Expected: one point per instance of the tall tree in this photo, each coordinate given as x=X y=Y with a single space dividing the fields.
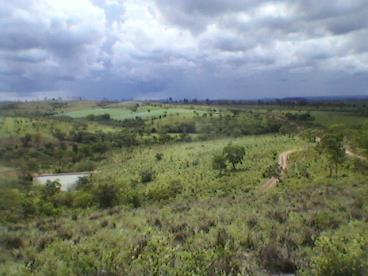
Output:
x=334 y=148
x=234 y=154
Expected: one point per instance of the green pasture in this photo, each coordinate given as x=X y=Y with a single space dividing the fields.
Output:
x=349 y=120
x=121 y=113
x=20 y=126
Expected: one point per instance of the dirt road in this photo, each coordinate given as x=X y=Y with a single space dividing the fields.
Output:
x=348 y=152
x=283 y=162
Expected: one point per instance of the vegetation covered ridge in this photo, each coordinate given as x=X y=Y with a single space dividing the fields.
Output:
x=184 y=192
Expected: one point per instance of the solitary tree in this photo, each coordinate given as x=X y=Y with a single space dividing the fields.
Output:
x=234 y=154
x=332 y=145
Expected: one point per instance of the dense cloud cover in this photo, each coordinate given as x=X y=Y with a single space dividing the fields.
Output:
x=183 y=48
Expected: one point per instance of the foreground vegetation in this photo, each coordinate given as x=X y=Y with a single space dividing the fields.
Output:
x=180 y=194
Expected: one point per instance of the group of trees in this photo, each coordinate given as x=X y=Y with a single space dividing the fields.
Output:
x=332 y=144
x=299 y=116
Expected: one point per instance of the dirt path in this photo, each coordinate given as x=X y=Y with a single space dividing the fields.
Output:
x=352 y=154
x=283 y=162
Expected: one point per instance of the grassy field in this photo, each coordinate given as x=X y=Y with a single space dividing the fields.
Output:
x=327 y=119
x=156 y=206
x=189 y=164
x=234 y=231
x=20 y=126
x=121 y=113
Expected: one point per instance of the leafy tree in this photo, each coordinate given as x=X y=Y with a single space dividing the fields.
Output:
x=219 y=163
x=332 y=145
x=234 y=154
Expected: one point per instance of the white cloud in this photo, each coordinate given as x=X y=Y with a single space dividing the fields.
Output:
x=153 y=45
x=53 y=39
x=145 y=46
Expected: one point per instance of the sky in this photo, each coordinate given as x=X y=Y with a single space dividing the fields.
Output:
x=155 y=49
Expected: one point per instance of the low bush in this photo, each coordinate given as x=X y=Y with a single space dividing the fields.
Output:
x=147 y=175
x=107 y=195
x=343 y=252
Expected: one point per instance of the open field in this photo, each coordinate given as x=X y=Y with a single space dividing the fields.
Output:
x=235 y=230
x=189 y=166
x=347 y=119
x=20 y=126
x=121 y=113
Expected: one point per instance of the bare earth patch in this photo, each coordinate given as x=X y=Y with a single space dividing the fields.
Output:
x=283 y=162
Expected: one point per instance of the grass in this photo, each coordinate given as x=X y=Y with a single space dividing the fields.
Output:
x=190 y=164
x=189 y=220
x=121 y=113
x=20 y=126
x=327 y=119
x=241 y=232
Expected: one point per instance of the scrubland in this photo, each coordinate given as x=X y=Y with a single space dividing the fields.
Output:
x=157 y=205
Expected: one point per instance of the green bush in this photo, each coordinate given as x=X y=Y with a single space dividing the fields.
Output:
x=50 y=189
x=344 y=252
x=83 y=199
x=219 y=163
x=159 y=156
x=107 y=195
x=147 y=175
x=164 y=191
x=273 y=170
x=48 y=209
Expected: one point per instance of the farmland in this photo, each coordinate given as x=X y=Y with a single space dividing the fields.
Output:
x=175 y=189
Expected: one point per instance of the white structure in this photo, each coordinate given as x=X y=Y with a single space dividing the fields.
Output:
x=67 y=180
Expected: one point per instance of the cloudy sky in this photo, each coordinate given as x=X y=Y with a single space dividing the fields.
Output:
x=150 y=49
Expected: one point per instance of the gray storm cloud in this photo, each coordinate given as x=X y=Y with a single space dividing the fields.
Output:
x=184 y=48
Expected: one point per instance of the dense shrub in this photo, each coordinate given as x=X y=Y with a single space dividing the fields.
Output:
x=159 y=156
x=147 y=175
x=344 y=252
x=107 y=195
x=274 y=261
x=219 y=163
x=50 y=189
x=12 y=242
x=164 y=190
x=273 y=170
x=83 y=199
